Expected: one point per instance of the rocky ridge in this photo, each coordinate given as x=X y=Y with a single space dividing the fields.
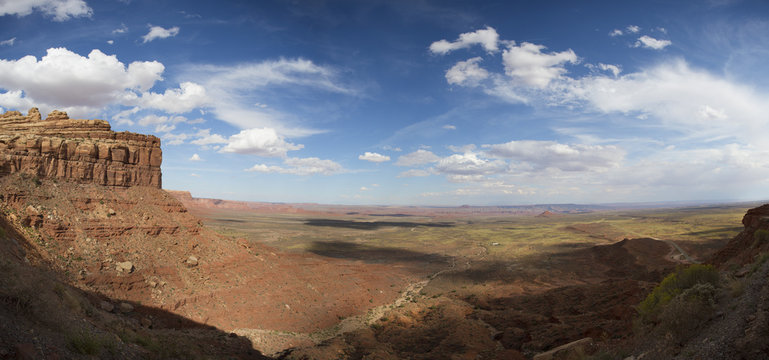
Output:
x=84 y=151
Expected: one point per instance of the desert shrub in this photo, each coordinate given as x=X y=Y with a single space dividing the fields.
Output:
x=84 y=342
x=736 y=287
x=688 y=311
x=674 y=285
x=760 y=237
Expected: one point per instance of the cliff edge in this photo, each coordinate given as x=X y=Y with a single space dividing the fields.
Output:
x=84 y=151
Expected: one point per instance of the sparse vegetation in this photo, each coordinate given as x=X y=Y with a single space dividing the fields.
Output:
x=682 y=302
x=673 y=286
x=760 y=237
x=85 y=342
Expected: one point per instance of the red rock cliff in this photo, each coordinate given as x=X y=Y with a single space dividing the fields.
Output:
x=85 y=151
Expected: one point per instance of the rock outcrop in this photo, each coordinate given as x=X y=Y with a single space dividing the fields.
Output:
x=84 y=151
x=753 y=240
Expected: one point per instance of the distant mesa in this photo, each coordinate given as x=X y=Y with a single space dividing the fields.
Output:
x=548 y=213
x=85 y=151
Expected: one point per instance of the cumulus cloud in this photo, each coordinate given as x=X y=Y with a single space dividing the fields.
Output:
x=487 y=38
x=374 y=157
x=158 y=32
x=59 y=10
x=419 y=157
x=614 y=69
x=195 y=157
x=550 y=154
x=174 y=139
x=469 y=165
x=633 y=29
x=8 y=42
x=528 y=65
x=301 y=166
x=615 y=32
x=260 y=142
x=204 y=138
x=188 y=96
x=652 y=43
x=466 y=73
x=65 y=79
x=685 y=132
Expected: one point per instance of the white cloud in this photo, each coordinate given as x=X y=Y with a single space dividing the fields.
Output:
x=527 y=64
x=59 y=10
x=233 y=90
x=633 y=29
x=301 y=166
x=488 y=38
x=174 y=139
x=469 y=164
x=195 y=157
x=614 y=69
x=391 y=148
x=110 y=42
x=121 y=30
x=363 y=188
x=419 y=157
x=260 y=142
x=164 y=128
x=374 y=157
x=414 y=173
x=72 y=82
x=467 y=73
x=8 y=42
x=153 y=119
x=652 y=43
x=449 y=127
x=550 y=154
x=158 y=32
x=689 y=101
x=615 y=32
x=204 y=138
x=187 y=97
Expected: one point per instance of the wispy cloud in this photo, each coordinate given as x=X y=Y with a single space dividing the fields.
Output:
x=158 y=32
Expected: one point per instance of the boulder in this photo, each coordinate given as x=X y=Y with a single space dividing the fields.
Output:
x=125 y=266
x=106 y=306
x=191 y=261
x=125 y=307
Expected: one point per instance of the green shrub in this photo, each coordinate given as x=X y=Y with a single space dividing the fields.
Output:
x=688 y=311
x=674 y=285
x=85 y=342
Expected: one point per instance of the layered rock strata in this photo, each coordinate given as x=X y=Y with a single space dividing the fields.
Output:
x=84 y=151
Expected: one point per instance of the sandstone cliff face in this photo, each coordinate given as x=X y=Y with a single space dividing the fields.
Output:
x=84 y=151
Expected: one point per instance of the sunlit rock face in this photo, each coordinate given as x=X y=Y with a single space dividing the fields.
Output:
x=85 y=151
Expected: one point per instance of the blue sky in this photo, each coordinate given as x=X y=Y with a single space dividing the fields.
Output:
x=414 y=102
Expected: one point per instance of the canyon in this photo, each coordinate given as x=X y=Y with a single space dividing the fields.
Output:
x=92 y=245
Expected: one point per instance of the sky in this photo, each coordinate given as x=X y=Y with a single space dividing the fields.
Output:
x=418 y=102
